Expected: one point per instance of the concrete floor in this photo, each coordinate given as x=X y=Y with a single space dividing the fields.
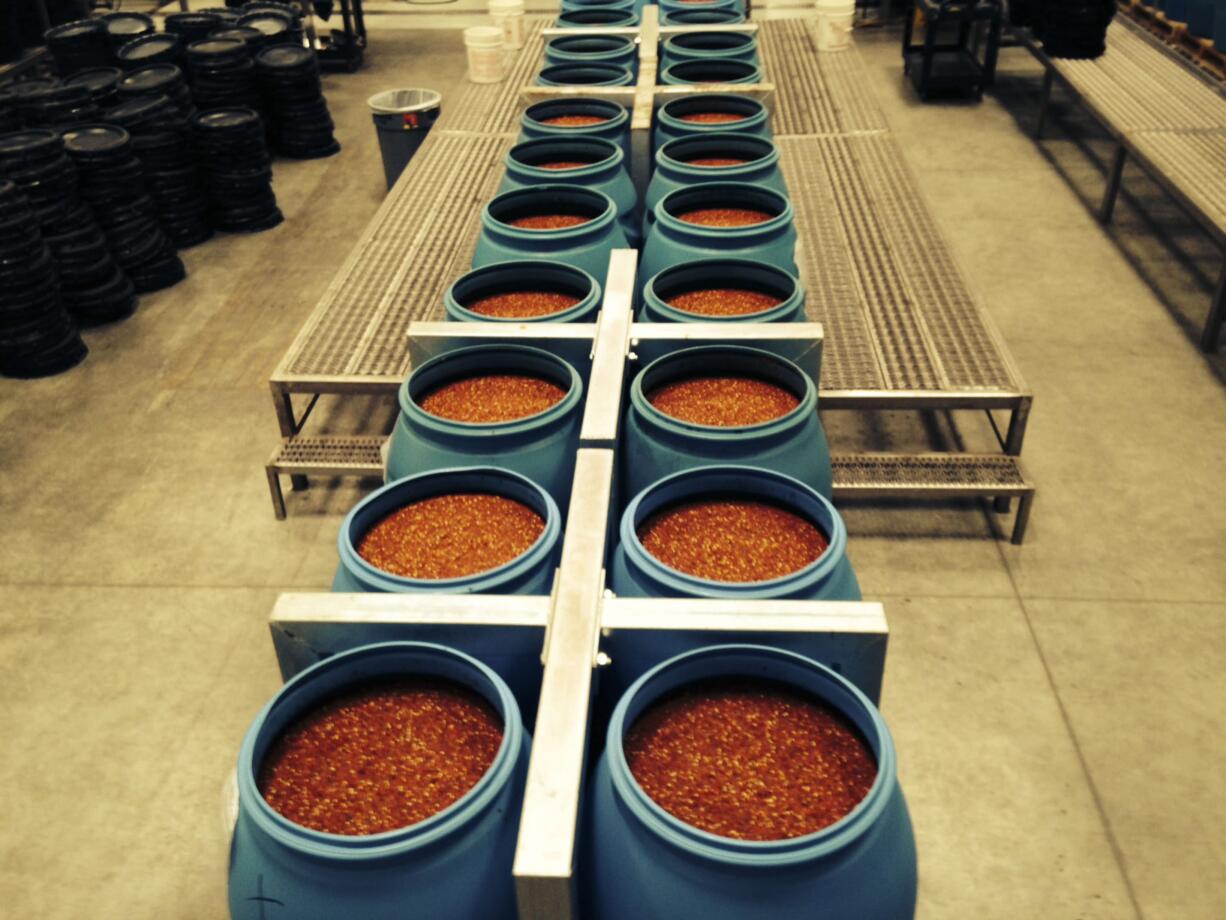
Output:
x=1056 y=706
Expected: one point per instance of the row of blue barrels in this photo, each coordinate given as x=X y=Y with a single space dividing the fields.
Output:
x=612 y=60
x=622 y=13
x=1204 y=18
x=637 y=859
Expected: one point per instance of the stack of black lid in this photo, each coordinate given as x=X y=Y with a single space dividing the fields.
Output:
x=113 y=182
x=159 y=48
x=93 y=287
x=191 y=27
x=121 y=28
x=159 y=80
x=102 y=83
x=291 y=11
x=300 y=121
x=24 y=94
x=59 y=107
x=162 y=140
x=235 y=160
x=79 y=45
x=37 y=336
x=223 y=74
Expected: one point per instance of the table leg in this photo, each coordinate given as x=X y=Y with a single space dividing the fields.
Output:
x=1113 y=184
x=1217 y=314
x=1048 y=79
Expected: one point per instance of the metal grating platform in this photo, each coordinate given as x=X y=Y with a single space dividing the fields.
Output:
x=881 y=277
x=1135 y=88
x=935 y=476
x=322 y=456
x=815 y=94
x=494 y=108
x=419 y=241
x=1196 y=162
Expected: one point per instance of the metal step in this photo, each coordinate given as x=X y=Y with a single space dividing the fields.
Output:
x=322 y=456
x=935 y=476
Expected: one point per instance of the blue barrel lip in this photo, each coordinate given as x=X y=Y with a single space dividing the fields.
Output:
x=597 y=4
x=738 y=43
x=754 y=111
x=616 y=116
x=745 y=191
x=293 y=699
x=705 y=14
x=596 y=73
x=736 y=359
x=507 y=200
x=766 y=855
x=655 y=302
x=613 y=156
x=536 y=360
x=732 y=479
x=513 y=485
x=561 y=46
x=588 y=303
x=673 y=75
x=718 y=140
x=685 y=5
x=596 y=17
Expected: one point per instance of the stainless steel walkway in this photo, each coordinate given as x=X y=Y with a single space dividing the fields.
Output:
x=1165 y=116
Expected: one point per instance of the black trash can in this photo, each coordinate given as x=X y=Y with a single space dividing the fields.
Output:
x=402 y=117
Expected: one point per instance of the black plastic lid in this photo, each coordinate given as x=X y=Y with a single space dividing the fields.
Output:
x=221 y=119
x=217 y=47
x=285 y=56
x=270 y=23
x=73 y=31
x=192 y=20
x=26 y=88
x=34 y=140
x=95 y=139
x=147 y=46
x=244 y=34
x=135 y=110
x=151 y=77
x=95 y=78
x=121 y=24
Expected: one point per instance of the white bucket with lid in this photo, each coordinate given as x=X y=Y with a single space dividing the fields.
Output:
x=508 y=15
x=835 y=19
x=484 y=44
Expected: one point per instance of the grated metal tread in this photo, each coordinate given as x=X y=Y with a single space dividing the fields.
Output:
x=815 y=93
x=880 y=275
x=494 y=108
x=1137 y=87
x=1195 y=161
x=362 y=454
x=928 y=473
x=421 y=238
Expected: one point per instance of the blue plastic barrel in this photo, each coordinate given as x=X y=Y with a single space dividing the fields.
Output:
x=642 y=862
x=615 y=125
x=530 y=573
x=686 y=73
x=679 y=6
x=674 y=169
x=636 y=573
x=1219 y=26
x=586 y=246
x=541 y=447
x=1200 y=17
x=518 y=276
x=455 y=865
x=709 y=46
x=671 y=120
x=671 y=240
x=593 y=49
x=723 y=273
x=597 y=18
x=584 y=75
x=656 y=445
x=701 y=17
x=605 y=171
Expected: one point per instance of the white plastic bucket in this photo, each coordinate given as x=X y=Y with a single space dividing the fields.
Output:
x=484 y=44
x=834 y=23
x=508 y=15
